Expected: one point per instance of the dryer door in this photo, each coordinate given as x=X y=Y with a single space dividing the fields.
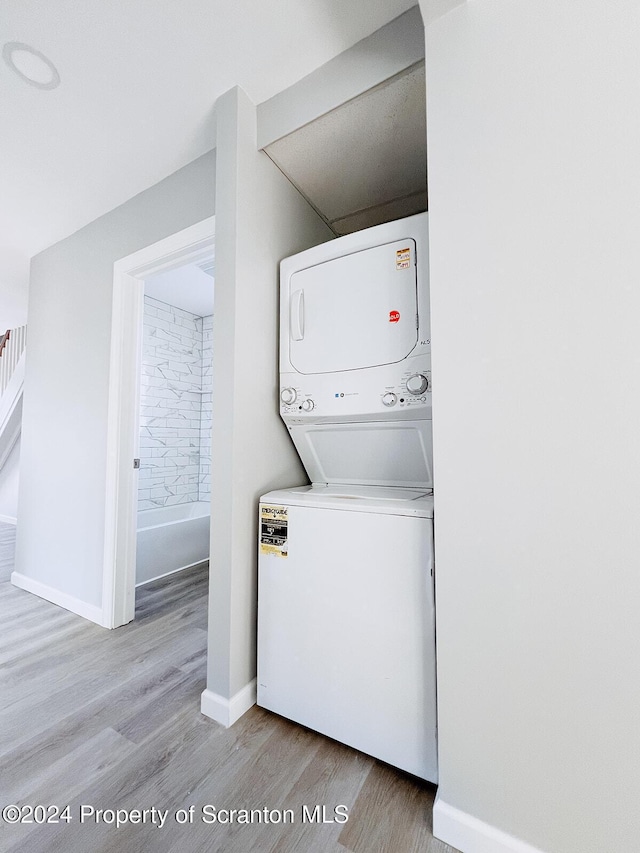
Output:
x=357 y=311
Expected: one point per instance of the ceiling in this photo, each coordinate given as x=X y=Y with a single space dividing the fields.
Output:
x=135 y=103
x=189 y=287
x=364 y=162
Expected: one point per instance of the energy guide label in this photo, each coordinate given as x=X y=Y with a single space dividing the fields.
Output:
x=273 y=530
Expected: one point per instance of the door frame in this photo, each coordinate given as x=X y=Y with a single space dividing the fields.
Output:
x=123 y=420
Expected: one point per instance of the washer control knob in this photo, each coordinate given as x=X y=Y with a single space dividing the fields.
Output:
x=288 y=396
x=308 y=406
x=417 y=384
x=389 y=399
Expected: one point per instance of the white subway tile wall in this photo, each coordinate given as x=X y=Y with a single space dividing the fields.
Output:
x=205 y=412
x=175 y=416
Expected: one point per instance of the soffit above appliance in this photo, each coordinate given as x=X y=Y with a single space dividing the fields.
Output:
x=364 y=162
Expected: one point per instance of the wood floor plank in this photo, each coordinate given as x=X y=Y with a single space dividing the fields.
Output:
x=184 y=692
x=198 y=661
x=115 y=708
x=159 y=772
x=123 y=786
x=72 y=771
x=66 y=778
x=258 y=783
x=22 y=624
x=26 y=655
x=334 y=778
x=98 y=656
x=90 y=680
x=392 y=813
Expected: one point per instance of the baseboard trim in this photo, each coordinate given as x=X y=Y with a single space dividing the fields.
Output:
x=470 y=835
x=8 y=519
x=172 y=572
x=227 y=711
x=62 y=599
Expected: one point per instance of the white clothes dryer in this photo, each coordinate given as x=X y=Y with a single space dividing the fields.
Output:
x=355 y=356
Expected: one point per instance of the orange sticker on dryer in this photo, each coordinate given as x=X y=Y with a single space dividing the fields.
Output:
x=403 y=258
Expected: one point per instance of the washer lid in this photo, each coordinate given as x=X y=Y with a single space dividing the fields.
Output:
x=356 y=311
x=397 y=454
x=380 y=499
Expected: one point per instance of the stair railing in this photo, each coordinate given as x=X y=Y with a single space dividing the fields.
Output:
x=12 y=345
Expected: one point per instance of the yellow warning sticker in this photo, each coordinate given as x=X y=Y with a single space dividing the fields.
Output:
x=403 y=258
x=274 y=530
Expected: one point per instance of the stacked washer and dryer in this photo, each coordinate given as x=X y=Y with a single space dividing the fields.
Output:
x=346 y=618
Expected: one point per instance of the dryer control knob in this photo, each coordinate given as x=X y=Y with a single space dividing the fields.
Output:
x=308 y=406
x=288 y=396
x=417 y=383
x=389 y=399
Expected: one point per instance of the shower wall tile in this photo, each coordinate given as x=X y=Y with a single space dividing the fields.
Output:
x=176 y=406
x=170 y=406
x=204 y=487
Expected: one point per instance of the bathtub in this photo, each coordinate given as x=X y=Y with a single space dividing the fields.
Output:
x=171 y=538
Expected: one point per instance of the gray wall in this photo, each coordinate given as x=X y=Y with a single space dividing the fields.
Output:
x=261 y=219
x=533 y=138
x=63 y=463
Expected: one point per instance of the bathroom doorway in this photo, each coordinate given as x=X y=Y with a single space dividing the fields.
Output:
x=159 y=422
x=174 y=477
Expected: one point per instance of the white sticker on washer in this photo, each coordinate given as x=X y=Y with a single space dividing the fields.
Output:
x=274 y=525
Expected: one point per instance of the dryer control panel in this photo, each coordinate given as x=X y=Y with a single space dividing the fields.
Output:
x=388 y=392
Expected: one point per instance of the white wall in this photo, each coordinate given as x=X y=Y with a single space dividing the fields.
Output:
x=533 y=139
x=260 y=219
x=60 y=537
x=9 y=476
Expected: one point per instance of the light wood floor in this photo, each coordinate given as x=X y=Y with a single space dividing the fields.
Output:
x=111 y=719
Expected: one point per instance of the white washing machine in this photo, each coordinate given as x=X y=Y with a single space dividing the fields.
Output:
x=346 y=631
x=346 y=620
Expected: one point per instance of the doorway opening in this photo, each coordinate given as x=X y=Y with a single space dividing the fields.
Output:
x=174 y=475
x=159 y=421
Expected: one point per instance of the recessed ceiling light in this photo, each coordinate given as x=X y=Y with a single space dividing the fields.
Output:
x=31 y=65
